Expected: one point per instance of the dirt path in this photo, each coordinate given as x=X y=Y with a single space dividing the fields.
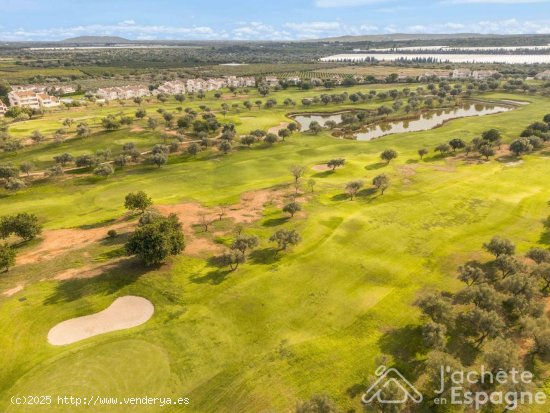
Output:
x=14 y=290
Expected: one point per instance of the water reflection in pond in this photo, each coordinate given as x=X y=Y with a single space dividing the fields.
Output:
x=426 y=121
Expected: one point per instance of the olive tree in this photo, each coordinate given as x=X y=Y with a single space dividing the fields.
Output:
x=284 y=238
x=291 y=208
x=353 y=187
x=388 y=155
x=7 y=257
x=335 y=163
x=381 y=182
x=137 y=201
x=156 y=241
x=499 y=246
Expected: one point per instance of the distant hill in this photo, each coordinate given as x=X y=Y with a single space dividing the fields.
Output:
x=96 y=40
x=405 y=37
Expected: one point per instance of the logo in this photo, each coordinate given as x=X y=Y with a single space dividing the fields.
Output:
x=391 y=388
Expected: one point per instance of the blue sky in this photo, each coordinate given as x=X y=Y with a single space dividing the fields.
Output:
x=271 y=20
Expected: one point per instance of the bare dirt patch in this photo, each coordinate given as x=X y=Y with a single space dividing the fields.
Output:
x=88 y=271
x=276 y=129
x=444 y=168
x=59 y=241
x=137 y=129
x=249 y=209
x=14 y=290
x=407 y=170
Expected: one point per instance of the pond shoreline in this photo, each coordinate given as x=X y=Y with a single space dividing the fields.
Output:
x=416 y=116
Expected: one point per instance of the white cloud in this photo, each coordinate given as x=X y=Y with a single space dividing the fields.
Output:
x=262 y=31
x=127 y=28
x=313 y=26
x=259 y=31
x=347 y=3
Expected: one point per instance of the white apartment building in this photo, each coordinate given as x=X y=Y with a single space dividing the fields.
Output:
x=483 y=74
x=272 y=81
x=461 y=74
x=3 y=108
x=24 y=98
x=47 y=101
x=123 y=92
x=172 y=88
x=293 y=80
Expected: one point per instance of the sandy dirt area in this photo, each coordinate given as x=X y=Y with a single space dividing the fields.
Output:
x=59 y=241
x=276 y=129
x=14 y=290
x=321 y=167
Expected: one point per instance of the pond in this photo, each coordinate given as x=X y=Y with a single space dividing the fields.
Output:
x=429 y=120
x=305 y=120
x=426 y=121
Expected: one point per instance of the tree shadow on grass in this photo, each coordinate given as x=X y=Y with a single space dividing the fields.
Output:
x=323 y=174
x=367 y=193
x=404 y=344
x=340 y=197
x=116 y=240
x=507 y=158
x=264 y=256
x=274 y=222
x=214 y=277
x=545 y=238
x=436 y=157
x=412 y=161
x=97 y=224
x=376 y=165
x=114 y=279
x=357 y=389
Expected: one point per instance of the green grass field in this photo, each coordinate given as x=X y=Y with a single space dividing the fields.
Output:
x=280 y=329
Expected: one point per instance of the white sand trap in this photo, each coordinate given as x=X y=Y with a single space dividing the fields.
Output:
x=125 y=312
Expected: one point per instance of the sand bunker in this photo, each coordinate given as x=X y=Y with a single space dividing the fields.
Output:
x=321 y=167
x=125 y=312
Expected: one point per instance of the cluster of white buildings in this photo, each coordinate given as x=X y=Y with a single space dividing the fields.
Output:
x=3 y=108
x=175 y=87
x=476 y=74
x=61 y=89
x=195 y=85
x=32 y=99
x=122 y=92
